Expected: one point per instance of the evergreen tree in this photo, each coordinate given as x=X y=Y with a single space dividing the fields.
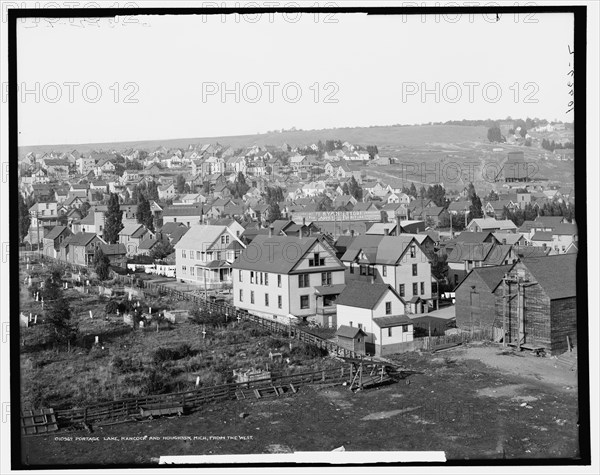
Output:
x=24 y=217
x=180 y=184
x=476 y=209
x=471 y=191
x=144 y=213
x=58 y=319
x=113 y=220
x=413 y=190
x=355 y=189
x=273 y=212
x=101 y=264
x=152 y=191
x=161 y=250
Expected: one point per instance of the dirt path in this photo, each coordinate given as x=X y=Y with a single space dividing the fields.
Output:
x=524 y=364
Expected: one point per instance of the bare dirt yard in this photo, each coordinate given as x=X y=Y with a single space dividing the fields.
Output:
x=472 y=402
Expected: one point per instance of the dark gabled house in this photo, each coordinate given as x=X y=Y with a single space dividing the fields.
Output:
x=54 y=239
x=116 y=253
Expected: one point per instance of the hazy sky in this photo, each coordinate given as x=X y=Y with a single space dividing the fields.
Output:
x=162 y=76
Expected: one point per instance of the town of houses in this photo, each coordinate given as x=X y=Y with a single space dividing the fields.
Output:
x=307 y=234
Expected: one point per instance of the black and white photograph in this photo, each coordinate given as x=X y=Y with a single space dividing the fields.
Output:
x=326 y=236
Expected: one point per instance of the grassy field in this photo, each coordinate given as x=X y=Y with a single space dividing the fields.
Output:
x=436 y=149
x=454 y=403
x=390 y=136
x=129 y=363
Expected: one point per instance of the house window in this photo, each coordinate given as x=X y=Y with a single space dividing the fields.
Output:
x=184 y=253
x=225 y=239
x=390 y=331
x=414 y=269
x=240 y=276
x=404 y=328
x=316 y=260
x=303 y=280
x=422 y=288
x=278 y=281
x=251 y=276
x=261 y=278
x=241 y=295
x=192 y=255
x=413 y=251
x=279 y=301
x=304 y=304
x=266 y=300
x=384 y=270
x=252 y=296
x=388 y=308
x=415 y=288
x=325 y=278
x=266 y=278
x=184 y=269
x=401 y=290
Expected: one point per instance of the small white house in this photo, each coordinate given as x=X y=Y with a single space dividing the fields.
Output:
x=379 y=311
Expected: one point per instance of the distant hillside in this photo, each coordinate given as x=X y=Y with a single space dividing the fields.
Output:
x=387 y=138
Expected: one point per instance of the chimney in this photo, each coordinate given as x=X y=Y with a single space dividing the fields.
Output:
x=300 y=233
x=386 y=231
x=352 y=232
x=270 y=231
x=303 y=221
x=372 y=279
x=503 y=240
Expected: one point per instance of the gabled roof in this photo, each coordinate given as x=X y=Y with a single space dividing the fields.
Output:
x=555 y=274
x=474 y=237
x=565 y=229
x=113 y=249
x=132 y=229
x=469 y=252
x=549 y=221
x=201 y=237
x=80 y=239
x=392 y=321
x=183 y=210
x=278 y=254
x=542 y=236
x=55 y=232
x=147 y=243
x=349 y=332
x=363 y=295
x=491 y=275
x=510 y=238
x=498 y=255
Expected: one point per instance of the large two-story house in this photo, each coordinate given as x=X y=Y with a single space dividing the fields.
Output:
x=279 y=276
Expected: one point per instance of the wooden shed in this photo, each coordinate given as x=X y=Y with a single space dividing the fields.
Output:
x=351 y=338
x=543 y=311
x=475 y=299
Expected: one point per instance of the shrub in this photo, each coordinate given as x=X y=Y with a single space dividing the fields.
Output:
x=162 y=355
x=308 y=351
x=111 y=307
x=200 y=316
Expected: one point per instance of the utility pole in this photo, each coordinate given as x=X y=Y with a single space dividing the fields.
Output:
x=519 y=314
x=504 y=296
x=37 y=222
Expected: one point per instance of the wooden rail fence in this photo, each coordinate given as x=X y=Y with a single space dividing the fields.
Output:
x=190 y=400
